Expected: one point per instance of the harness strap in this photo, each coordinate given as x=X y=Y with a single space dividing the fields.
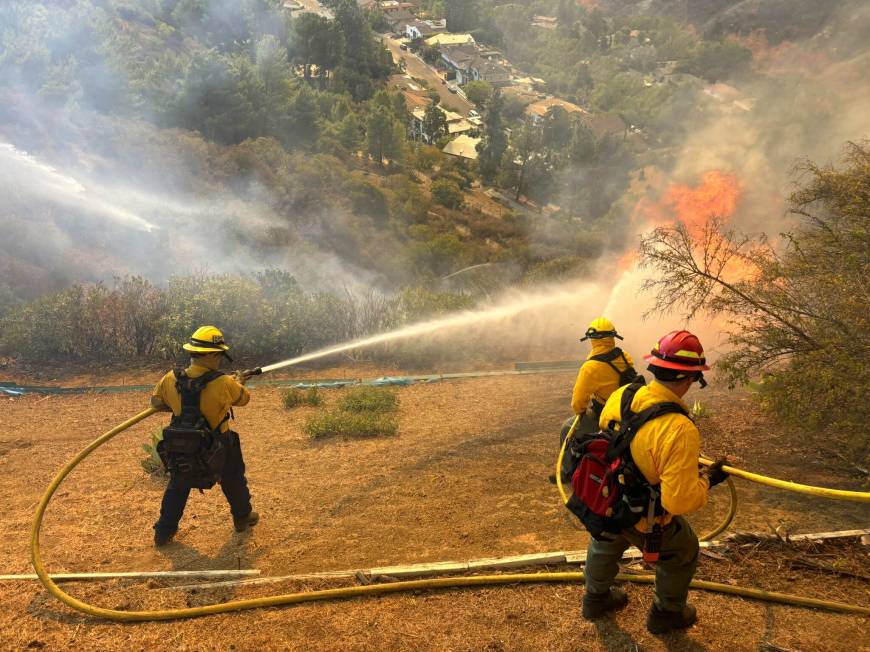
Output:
x=190 y=389
x=610 y=356
x=631 y=422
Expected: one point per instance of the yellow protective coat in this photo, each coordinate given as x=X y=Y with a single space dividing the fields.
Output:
x=597 y=379
x=665 y=450
x=215 y=401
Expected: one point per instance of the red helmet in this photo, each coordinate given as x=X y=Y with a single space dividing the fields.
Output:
x=678 y=350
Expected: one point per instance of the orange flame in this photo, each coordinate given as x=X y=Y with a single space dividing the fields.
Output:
x=716 y=196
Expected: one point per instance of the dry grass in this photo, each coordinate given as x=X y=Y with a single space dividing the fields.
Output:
x=465 y=477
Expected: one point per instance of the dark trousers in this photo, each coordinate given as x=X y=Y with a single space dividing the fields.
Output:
x=233 y=484
x=674 y=571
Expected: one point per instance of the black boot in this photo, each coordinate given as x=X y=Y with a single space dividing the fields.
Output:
x=161 y=540
x=242 y=524
x=596 y=605
x=660 y=621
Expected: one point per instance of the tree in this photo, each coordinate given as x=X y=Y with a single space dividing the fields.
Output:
x=717 y=61
x=797 y=311
x=447 y=193
x=434 y=124
x=596 y=23
x=303 y=116
x=430 y=54
x=493 y=144
x=212 y=100
x=318 y=42
x=526 y=146
x=461 y=15
x=383 y=134
x=478 y=92
x=350 y=132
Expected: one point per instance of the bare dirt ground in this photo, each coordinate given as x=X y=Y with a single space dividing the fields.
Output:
x=466 y=477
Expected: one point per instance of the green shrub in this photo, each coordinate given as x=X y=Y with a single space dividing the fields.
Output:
x=152 y=463
x=294 y=397
x=339 y=423
x=376 y=400
x=447 y=193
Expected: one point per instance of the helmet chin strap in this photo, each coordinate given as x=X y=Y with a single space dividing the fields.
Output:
x=701 y=381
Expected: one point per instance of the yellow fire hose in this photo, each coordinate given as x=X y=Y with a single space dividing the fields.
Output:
x=414 y=585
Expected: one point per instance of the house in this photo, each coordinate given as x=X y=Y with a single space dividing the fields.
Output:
x=458 y=59
x=391 y=7
x=467 y=63
x=463 y=147
x=445 y=39
x=417 y=29
x=539 y=110
x=456 y=124
x=490 y=71
x=398 y=20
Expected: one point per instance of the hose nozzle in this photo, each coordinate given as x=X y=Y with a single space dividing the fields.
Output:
x=247 y=373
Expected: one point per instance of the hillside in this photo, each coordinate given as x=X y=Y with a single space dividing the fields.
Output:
x=154 y=138
x=781 y=20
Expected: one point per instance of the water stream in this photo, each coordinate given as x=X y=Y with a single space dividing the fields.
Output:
x=504 y=309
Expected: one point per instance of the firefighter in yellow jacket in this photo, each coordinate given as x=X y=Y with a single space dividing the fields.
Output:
x=218 y=394
x=666 y=451
x=606 y=368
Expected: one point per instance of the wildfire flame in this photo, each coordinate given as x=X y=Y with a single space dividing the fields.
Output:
x=716 y=196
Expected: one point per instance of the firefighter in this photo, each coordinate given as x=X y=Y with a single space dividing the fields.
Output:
x=216 y=399
x=606 y=368
x=666 y=451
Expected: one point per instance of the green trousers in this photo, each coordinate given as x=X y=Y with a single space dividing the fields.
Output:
x=674 y=571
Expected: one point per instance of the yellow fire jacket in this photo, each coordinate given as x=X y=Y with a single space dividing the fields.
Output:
x=597 y=379
x=665 y=450
x=215 y=401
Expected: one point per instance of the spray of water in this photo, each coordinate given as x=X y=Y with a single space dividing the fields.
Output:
x=27 y=176
x=543 y=298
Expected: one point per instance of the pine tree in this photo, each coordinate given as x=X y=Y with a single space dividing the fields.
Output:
x=494 y=142
x=434 y=124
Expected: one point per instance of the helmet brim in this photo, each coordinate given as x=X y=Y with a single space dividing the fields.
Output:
x=667 y=364
x=193 y=348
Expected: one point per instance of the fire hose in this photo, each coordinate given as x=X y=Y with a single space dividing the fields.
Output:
x=416 y=585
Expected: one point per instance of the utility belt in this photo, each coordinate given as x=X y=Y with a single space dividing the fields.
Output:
x=195 y=457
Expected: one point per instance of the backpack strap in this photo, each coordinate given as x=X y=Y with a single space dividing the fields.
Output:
x=190 y=389
x=610 y=356
x=631 y=422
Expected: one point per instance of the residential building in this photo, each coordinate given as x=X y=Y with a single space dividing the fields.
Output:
x=441 y=40
x=463 y=146
x=456 y=124
x=417 y=29
x=391 y=7
x=539 y=110
x=467 y=64
x=399 y=19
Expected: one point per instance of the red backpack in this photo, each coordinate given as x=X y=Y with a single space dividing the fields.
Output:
x=610 y=492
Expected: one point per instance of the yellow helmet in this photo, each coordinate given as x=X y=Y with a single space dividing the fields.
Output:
x=599 y=328
x=206 y=339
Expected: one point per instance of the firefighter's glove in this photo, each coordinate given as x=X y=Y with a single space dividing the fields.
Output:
x=714 y=473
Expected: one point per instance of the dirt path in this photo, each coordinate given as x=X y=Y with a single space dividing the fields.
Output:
x=465 y=478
